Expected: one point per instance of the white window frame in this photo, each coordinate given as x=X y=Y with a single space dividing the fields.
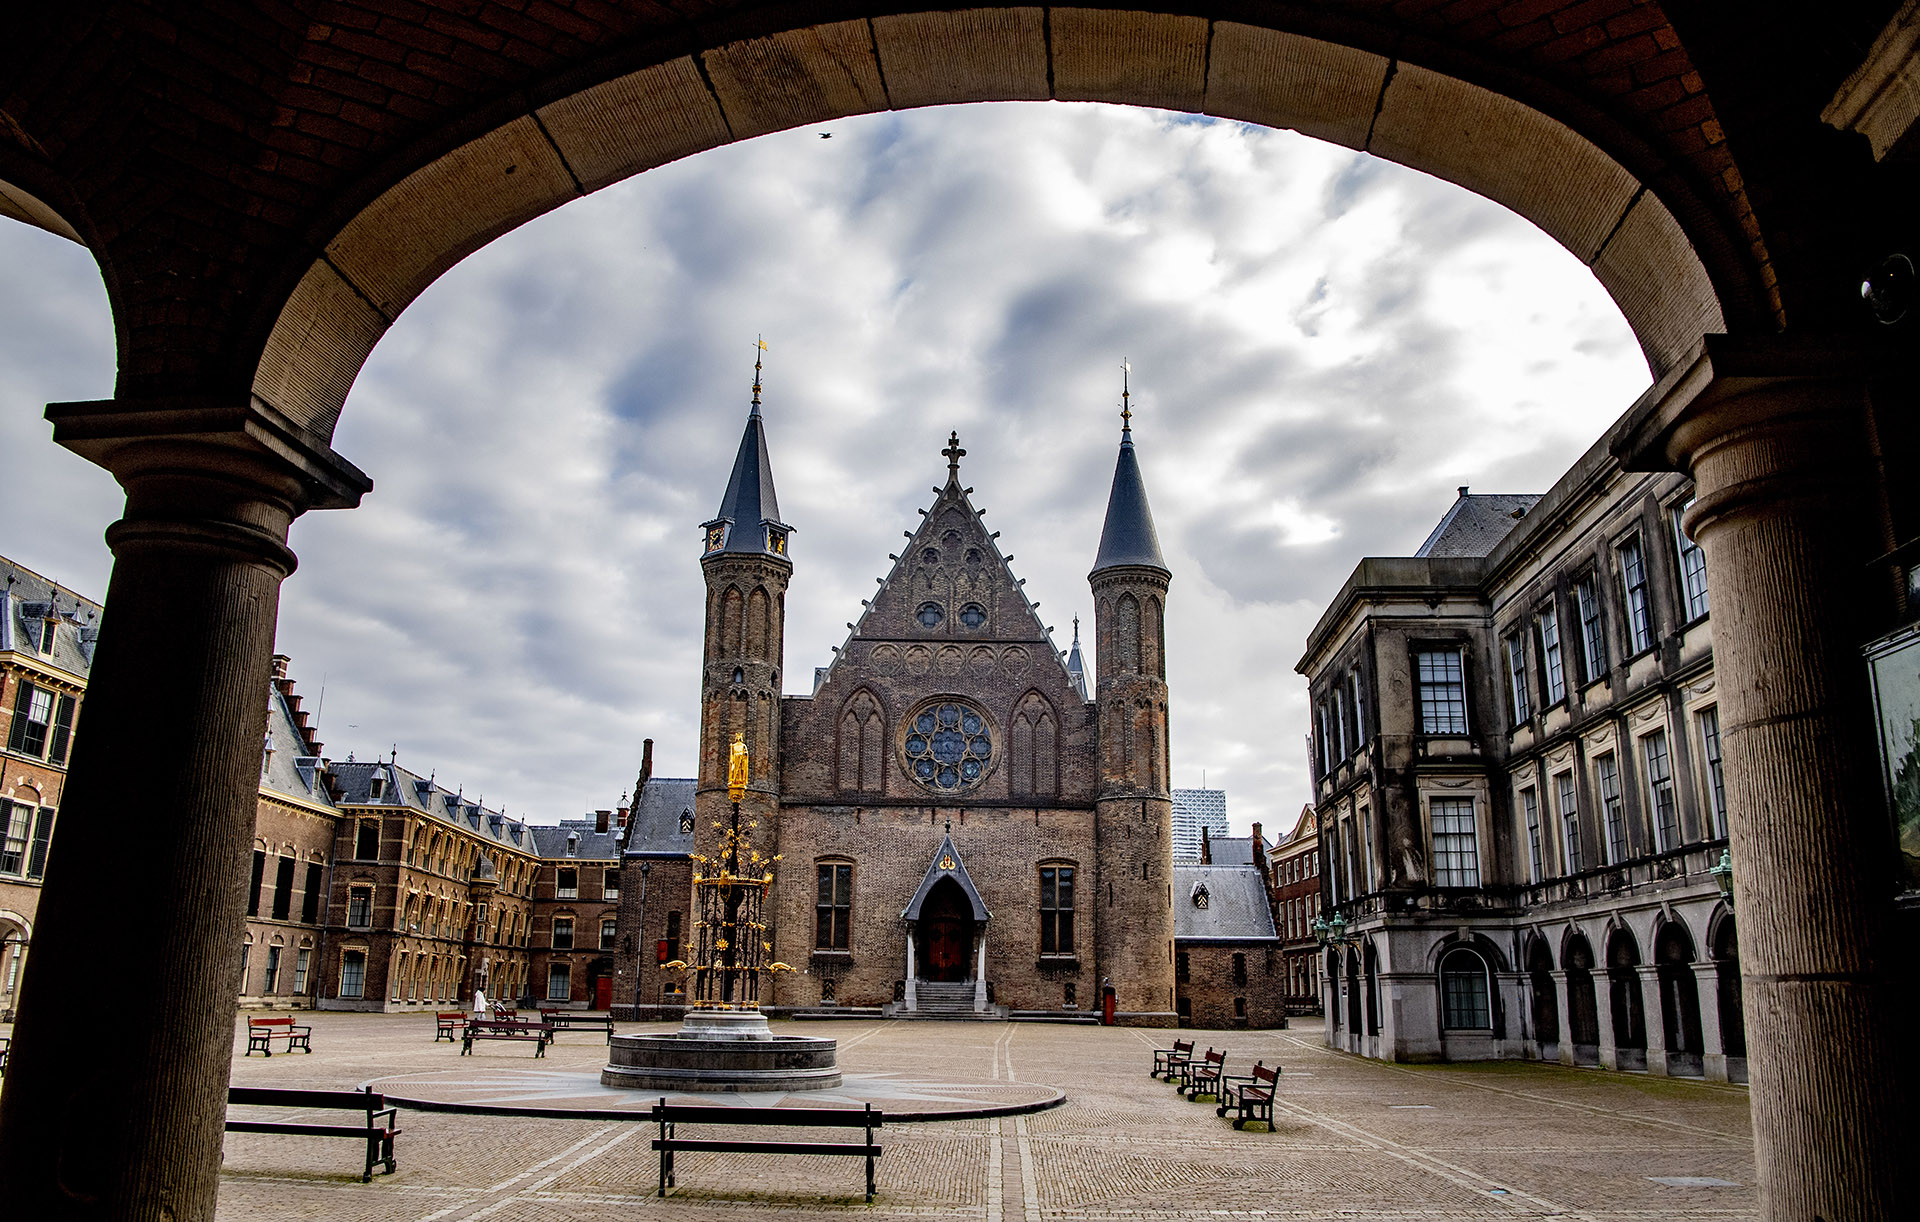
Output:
x=1517 y=702
x=561 y=973
x=1456 y=859
x=1550 y=655
x=1530 y=812
x=1454 y=686
x=1633 y=584
x=1568 y=795
x=1708 y=721
x=1693 y=567
x=1663 y=802
x=1613 y=814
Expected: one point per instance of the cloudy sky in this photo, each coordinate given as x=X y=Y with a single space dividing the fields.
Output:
x=1324 y=345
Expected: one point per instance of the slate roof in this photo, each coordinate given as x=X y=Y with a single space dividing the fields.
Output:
x=654 y=825
x=551 y=840
x=24 y=599
x=750 y=505
x=290 y=765
x=422 y=796
x=1236 y=908
x=1128 y=536
x=946 y=863
x=1230 y=850
x=1476 y=522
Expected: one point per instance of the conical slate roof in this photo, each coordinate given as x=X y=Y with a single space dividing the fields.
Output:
x=1128 y=538
x=750 y=506
x=1076 y=665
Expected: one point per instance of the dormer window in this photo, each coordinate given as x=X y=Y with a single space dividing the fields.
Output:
x=376 y=789
x=716 y=536
x=1200 y=895
x=776 y=541
x=48 y=627
x=686 y=822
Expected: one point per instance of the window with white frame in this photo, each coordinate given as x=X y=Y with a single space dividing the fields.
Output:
x=1530 y=812
x=1709 y=721
x=1693 y=565
x=1359 y=705
x=1341 y=749
x=566 y=884
x=1443 y=691
x=1466 y=999
x=16 y=820
x=42 y=722
x=1456 y=853
x=609 y=933
x=1517 y=679
x=273 y=971
x=1633 y=578
x=1660 y=796
x=1366 y=844
x=1593 y=646
x=353 y=973
x=559 y=982
x=563 y=933
x=1569 y=820
x=360 y=908
x=1550 y=659
x=302 y=960
x=610 y=886
x=1612 y=813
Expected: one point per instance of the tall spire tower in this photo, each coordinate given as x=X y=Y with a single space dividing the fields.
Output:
x=1133 y=807
x=744 y=559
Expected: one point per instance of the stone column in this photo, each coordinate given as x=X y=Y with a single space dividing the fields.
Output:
x=913 y=997
x=980 y=977
x=1774 y=434
x=114 y=1106
x=1603 y=1013
x=1713 y=1055
x=1653 y=1004
x=1566 y=1016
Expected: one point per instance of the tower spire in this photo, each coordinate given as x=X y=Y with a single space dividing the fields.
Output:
x=1126 y=399
x=749 y=517
x=953 y=454
x=1128 y=537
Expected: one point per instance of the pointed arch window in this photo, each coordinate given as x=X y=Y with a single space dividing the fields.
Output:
x=861 y=733
x=1033 y=741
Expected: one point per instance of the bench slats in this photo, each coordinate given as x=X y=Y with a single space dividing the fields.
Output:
x=275 y=1096
x=828 y=1117
x=287 y=1128
x=765 y=1147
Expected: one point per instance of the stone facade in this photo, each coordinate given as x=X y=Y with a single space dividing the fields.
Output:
x=1519 y=788
x=948 y=729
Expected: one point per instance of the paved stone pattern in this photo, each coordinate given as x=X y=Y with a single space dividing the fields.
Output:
x=1352 y=1138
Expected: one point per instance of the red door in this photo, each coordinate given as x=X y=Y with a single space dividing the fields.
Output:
x=603 y=993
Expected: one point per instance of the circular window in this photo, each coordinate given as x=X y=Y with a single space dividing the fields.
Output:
x=973 y=615
x=929 y=615
x=931 y=555
x=948 y=745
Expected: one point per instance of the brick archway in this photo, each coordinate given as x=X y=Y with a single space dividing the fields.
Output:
x=376 y=262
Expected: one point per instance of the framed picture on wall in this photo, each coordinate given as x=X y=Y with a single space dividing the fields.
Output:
x=1893 y=662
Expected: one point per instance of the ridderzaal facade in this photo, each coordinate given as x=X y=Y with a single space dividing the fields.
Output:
x=962 y=829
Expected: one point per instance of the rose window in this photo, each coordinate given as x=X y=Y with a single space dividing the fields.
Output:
x=948 y=746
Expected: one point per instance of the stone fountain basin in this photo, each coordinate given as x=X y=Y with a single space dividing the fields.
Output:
x=677 y=1062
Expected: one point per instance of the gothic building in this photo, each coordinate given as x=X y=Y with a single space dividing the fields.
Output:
x=961 y=828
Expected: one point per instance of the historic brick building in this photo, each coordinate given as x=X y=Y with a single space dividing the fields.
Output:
x=1295 y=862
x=47 y=634
x=960 y=826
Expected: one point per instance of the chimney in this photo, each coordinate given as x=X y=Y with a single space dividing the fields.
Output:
x=1206 y=847
x=601 y=818
x=280 y=663
x=620 y=814
x=646 y=765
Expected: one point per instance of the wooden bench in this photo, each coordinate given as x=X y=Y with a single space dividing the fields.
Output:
x=378 y=1130
x=1251 y=1096
x=668 y=1116
x=1202 y=1077
x=261 y=1032
x=447 y=1025
x=506 y=1029
x=590 y=1020
x=1170 y=1061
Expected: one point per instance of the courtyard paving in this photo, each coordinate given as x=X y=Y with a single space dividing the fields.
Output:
x=1352 y=1139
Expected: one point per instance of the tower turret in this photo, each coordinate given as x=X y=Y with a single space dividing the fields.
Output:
x=746 y=567
x=1133 y=809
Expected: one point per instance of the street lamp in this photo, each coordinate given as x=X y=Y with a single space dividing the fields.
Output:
x=1722 y=872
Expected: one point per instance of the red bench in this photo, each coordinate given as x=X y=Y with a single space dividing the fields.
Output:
x=1251 y=1096
x=261 y=1032
x=506 y=1029
x=378 y=1131
x=1170 y=1061
x=447 y=1025
x=1203 y=1077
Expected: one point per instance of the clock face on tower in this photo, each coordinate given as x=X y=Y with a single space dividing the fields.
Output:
x=716 y=537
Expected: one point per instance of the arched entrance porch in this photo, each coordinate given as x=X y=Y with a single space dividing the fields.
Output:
x=237 y=360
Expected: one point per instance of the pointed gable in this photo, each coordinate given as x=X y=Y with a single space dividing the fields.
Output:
x=946 y=863
x=951 y=602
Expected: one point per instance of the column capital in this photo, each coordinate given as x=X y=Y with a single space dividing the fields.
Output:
x=1727 y=381
x=237 y=438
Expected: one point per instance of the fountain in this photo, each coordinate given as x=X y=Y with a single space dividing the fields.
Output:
x=724 y=1043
